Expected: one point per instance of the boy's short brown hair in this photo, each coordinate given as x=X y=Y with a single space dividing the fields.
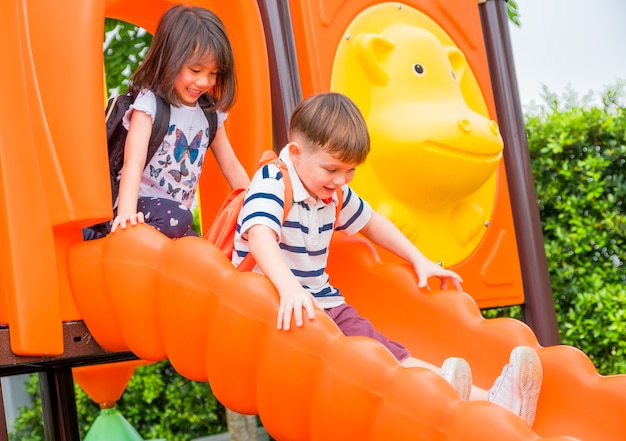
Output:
x=332 y=122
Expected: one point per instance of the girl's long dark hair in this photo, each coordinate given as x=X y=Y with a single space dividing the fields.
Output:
x=184 y=36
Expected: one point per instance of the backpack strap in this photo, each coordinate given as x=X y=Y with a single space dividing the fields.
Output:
x=212 y=119
x=210 y=115
x=288 y=200
x=248 y=262
x=159 y=127
x=339 y=205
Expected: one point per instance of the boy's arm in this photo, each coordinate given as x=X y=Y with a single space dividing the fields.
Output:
x=293 y=297
x=135 y=153
x=225 y=156
x=384 y=233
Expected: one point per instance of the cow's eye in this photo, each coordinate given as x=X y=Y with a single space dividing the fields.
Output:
x=418 y=69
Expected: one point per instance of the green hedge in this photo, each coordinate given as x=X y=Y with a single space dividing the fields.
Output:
x=158 y=403
x=578 y=154
x=124 y=47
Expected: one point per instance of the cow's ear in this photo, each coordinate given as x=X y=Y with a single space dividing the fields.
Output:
x=457 y=61
x=371 y=51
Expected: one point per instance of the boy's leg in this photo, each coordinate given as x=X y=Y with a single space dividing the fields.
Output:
x=168 y=216
x=455 y=370
x=352 y=324
x=516 y=389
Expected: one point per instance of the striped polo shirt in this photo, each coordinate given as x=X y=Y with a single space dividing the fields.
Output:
x=305 y=236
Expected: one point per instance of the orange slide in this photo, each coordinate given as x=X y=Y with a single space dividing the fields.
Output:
x=182 y=300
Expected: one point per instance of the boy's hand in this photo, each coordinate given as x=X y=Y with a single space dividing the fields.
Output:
x=122 y=220
x=385 y=234
x=292 y=303
x=428 y=269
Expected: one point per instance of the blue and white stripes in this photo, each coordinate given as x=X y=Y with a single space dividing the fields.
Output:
x=305 y=236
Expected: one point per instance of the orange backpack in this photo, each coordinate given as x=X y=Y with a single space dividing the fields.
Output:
x=221 y=233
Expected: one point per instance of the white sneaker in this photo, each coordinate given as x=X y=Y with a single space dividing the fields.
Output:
x=517 y=388
x=458 y=373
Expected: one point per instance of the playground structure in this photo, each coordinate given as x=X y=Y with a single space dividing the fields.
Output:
x=138 y=294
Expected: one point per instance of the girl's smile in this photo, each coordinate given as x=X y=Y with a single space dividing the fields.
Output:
x=194 y=80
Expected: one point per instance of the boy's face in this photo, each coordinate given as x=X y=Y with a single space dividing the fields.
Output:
x=320 y=172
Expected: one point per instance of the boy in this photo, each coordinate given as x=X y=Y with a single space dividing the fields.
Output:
x=328 y=139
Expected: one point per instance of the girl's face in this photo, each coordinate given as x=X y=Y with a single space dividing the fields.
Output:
x=194 y=80
x=320 y=172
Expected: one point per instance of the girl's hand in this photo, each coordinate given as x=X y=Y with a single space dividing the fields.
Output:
x=428 y=268
x=121 y=220
x=291 y=304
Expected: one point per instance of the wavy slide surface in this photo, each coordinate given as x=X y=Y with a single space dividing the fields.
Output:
x=182 y=300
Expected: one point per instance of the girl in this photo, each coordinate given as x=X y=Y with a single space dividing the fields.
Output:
x=190 y=57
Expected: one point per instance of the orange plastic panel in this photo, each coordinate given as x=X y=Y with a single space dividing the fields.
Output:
x=50 y=118
x=105 y=383
x=56 y=182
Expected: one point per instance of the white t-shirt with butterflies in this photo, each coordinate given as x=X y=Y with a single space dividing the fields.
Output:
x=174 y=170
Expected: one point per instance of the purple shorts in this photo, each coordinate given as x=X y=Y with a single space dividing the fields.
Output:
x=352 y=324
x=168 y=216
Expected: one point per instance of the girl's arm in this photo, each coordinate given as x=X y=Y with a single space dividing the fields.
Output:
x=384 y=233
x=135 y=154
x=293 y=297
x=232 y=169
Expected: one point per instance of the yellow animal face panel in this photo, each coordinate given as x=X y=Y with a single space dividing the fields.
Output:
x=435 y=151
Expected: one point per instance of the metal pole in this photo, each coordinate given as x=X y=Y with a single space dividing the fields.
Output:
x=281 y=51
x=538 y=310
x=58 y=402
x=4 y=435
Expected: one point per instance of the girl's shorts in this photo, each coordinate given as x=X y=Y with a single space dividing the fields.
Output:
x=352 y=324
x=168 y=216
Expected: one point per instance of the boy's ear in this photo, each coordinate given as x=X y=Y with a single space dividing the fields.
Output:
x=294 y=152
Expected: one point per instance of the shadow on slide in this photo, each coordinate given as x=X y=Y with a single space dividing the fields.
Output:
x=182 y=300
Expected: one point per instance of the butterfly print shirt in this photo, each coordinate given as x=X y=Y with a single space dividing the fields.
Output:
x=174 y=170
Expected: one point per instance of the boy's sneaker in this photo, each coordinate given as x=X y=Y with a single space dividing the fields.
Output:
x=458 y=373
x=517 y=388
